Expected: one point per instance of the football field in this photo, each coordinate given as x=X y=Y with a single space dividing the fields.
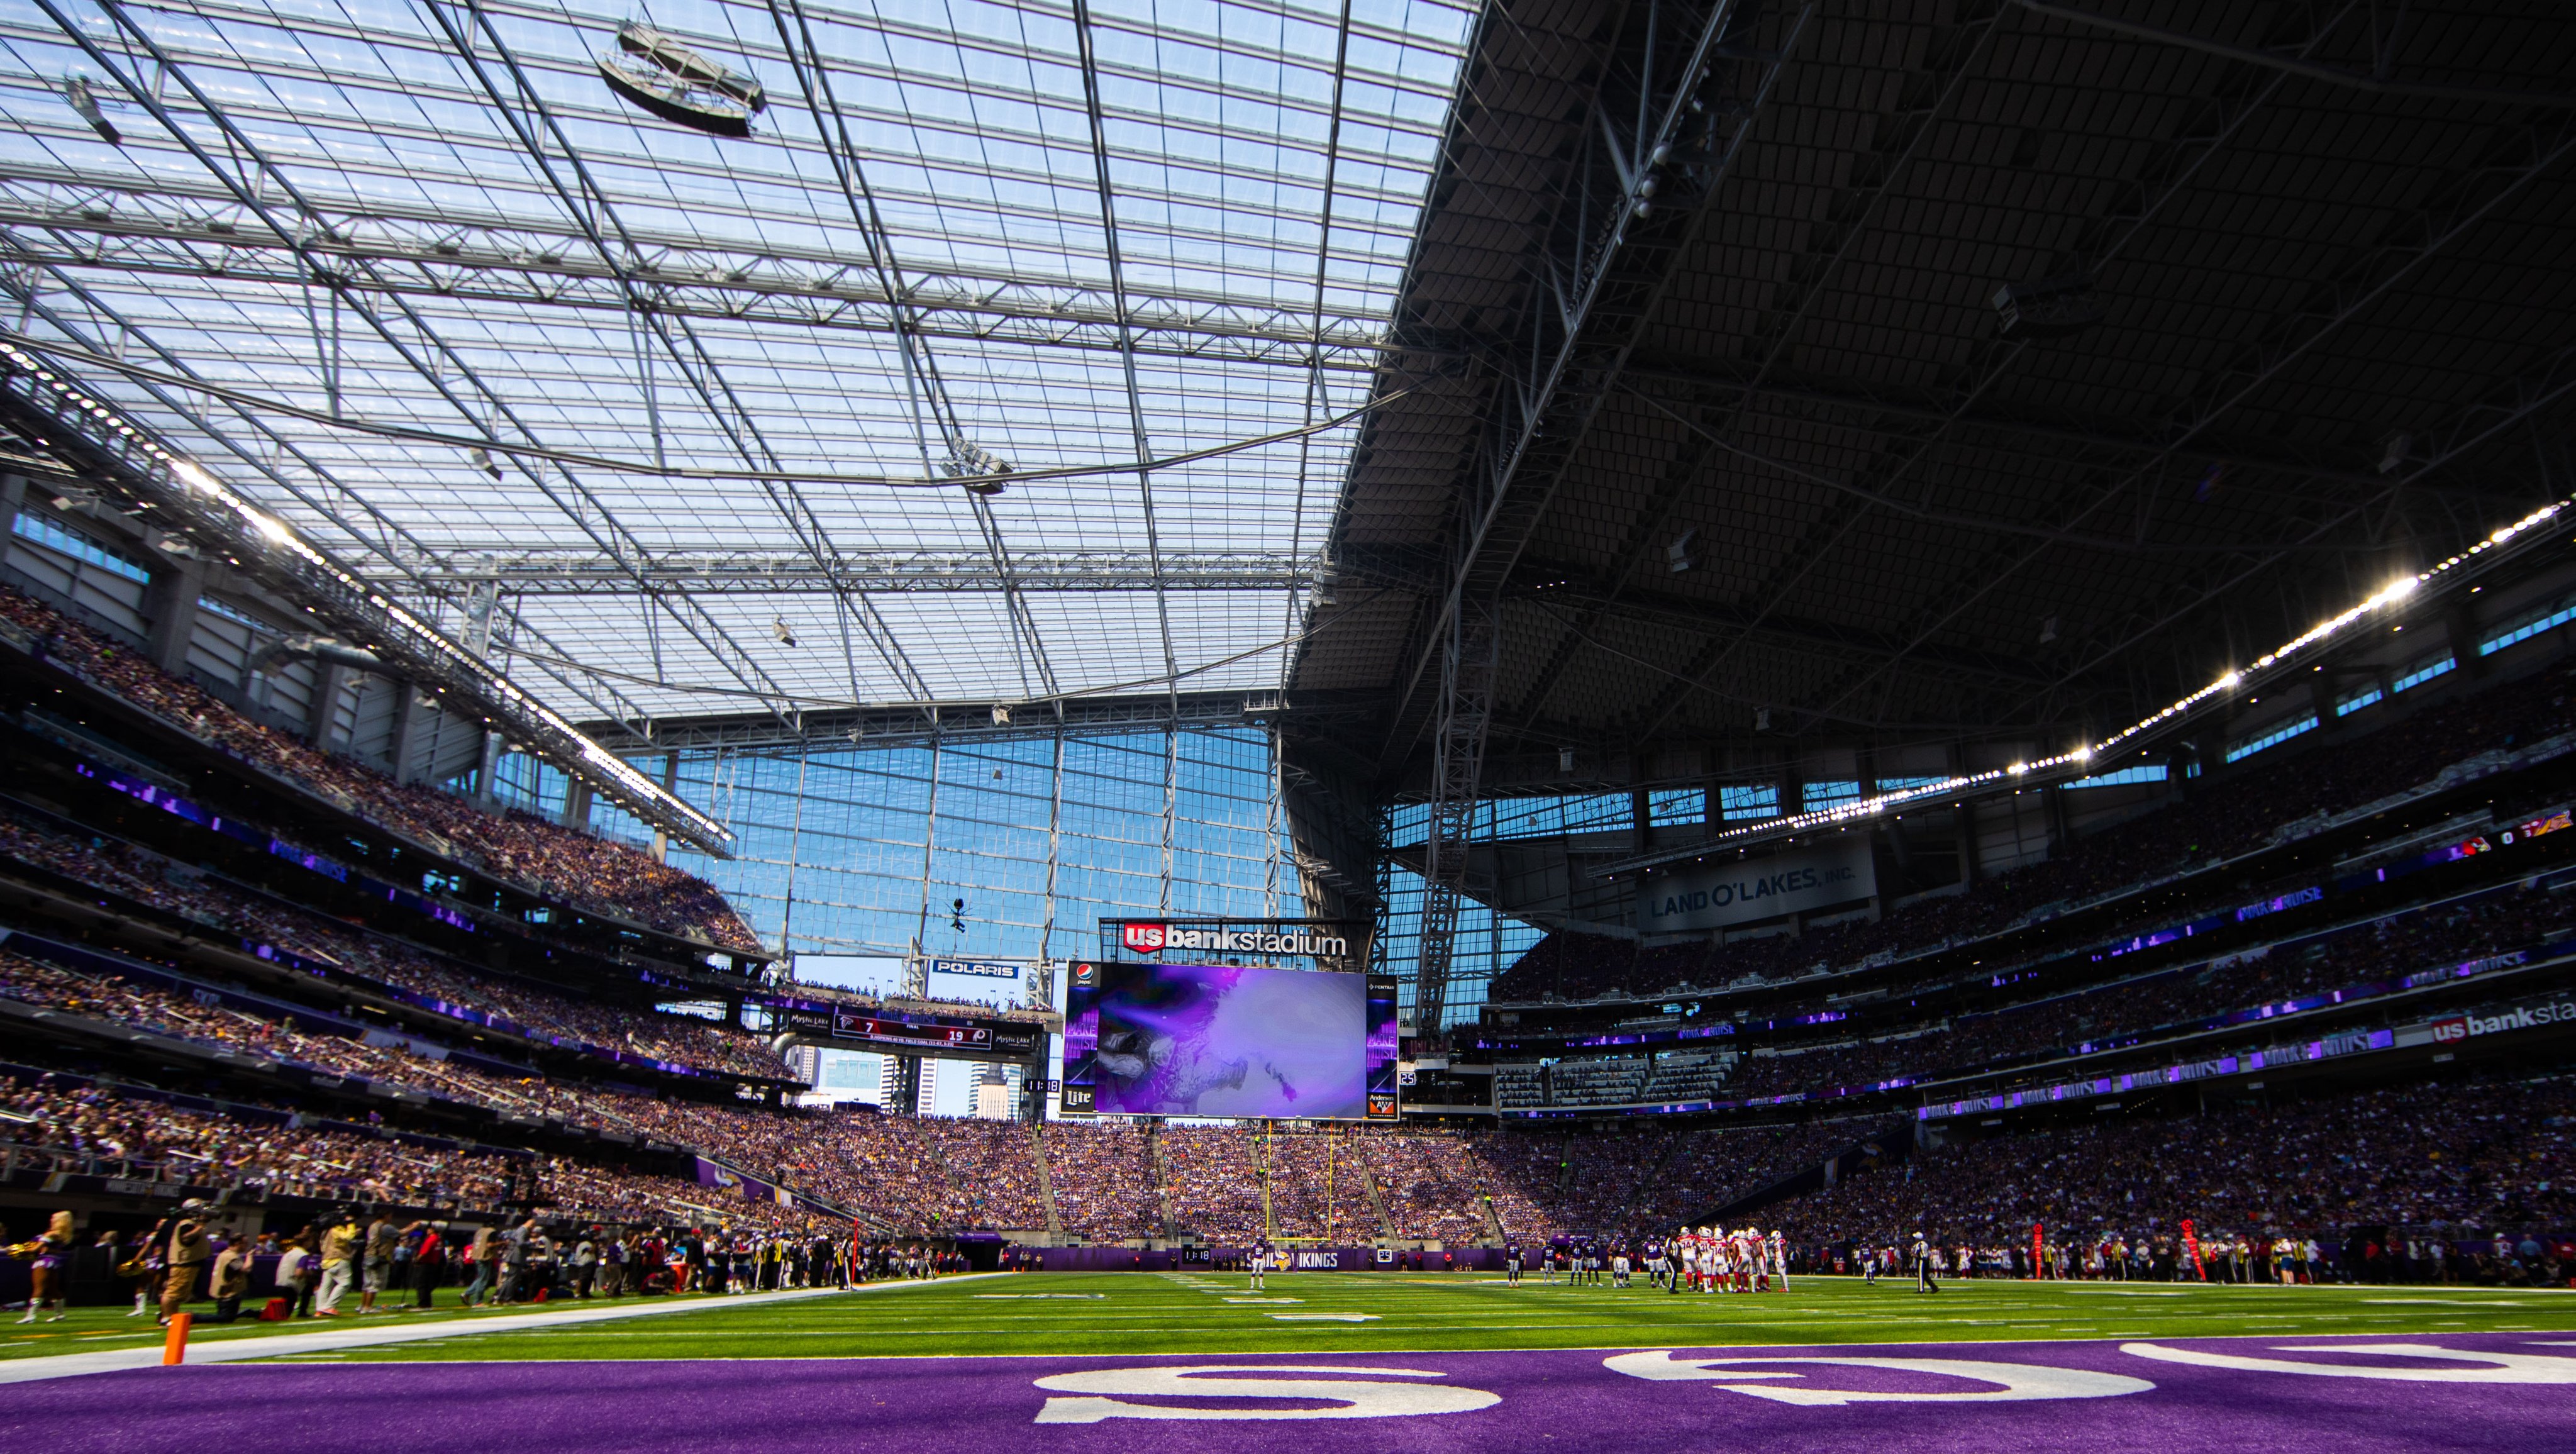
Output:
x=1318 y=1363
x=1162 y=1313
x=1094 y=1313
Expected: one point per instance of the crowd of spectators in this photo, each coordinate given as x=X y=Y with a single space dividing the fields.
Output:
x=1106 y=1186
x=781 y=1147
x=85 y=1127
x=366 y=955
x=92 y=1128
x=1432 y=1187
x=546 y=858
x=622 y=1196
x=124 y=1002
x=1710 y=1168
x=2376 y=952
x=1316 y=1190
x=1214 y=1182
x=930 y=1174
x=2217 y=820
x=2487 y=1154
x=992 y=1168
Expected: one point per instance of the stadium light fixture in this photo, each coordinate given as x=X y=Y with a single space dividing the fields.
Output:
x=679 y=85
x=2057 y=307
x=2284 y=656
x=76 y=91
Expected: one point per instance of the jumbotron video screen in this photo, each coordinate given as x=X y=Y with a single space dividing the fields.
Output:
x=1229 y=1040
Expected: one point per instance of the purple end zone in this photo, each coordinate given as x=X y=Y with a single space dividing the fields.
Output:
x=2084 y=1398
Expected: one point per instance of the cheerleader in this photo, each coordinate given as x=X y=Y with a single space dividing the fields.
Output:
x=47 y=1254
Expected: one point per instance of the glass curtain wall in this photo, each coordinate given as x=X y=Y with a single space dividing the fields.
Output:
x=847 y=849
x=1486 y=944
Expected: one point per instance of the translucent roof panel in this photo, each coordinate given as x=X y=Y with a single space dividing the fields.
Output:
x=335 y=244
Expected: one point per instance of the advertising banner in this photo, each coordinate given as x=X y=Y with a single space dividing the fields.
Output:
x=751 y=1188
x=1744 y=890
x=909 y=1031
x=1323 y=943
x=979 y=968
x=2531 y=1015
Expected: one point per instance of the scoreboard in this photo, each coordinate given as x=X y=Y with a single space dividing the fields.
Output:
x=921 y=1033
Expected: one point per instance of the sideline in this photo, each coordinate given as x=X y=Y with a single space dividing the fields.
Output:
x=328 y=1340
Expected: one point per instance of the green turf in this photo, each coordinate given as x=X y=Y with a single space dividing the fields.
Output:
x=1079 y=1313
x=86 y=1330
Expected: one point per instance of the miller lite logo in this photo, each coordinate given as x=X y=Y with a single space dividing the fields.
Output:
x=1143 y=938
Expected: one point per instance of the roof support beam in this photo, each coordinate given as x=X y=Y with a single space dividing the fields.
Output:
x=249 y=187
x=1644 y=178
x=923 y=386
x=2519 y=155
x=2475 y=424
x=905 y=724
x=785 y=571
x=1591 y=602
x=696 y=365
x=141 y=470
x=191 y=232
x=346 y=509
x=1598 y=280
x=2162 y=176
x=1855 y=398
x=1118 y=300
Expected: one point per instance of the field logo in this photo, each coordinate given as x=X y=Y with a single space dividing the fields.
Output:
x=1143 y=938
x=2498 y=1367
x=2015 y=1382
x=1365 y=1395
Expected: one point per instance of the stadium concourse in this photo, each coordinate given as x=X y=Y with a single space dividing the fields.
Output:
x=1493 y=725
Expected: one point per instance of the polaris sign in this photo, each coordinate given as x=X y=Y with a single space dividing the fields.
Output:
x=1745 y=890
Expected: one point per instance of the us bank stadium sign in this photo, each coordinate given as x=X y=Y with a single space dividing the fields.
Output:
x=1332 y=943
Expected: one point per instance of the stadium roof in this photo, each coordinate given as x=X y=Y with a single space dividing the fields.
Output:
x=1773 y=464
x=415 y=277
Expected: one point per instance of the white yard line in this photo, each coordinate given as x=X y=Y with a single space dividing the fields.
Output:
x=328 y=1340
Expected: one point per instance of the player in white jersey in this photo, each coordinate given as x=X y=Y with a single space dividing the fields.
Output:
x=1778 y=1247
